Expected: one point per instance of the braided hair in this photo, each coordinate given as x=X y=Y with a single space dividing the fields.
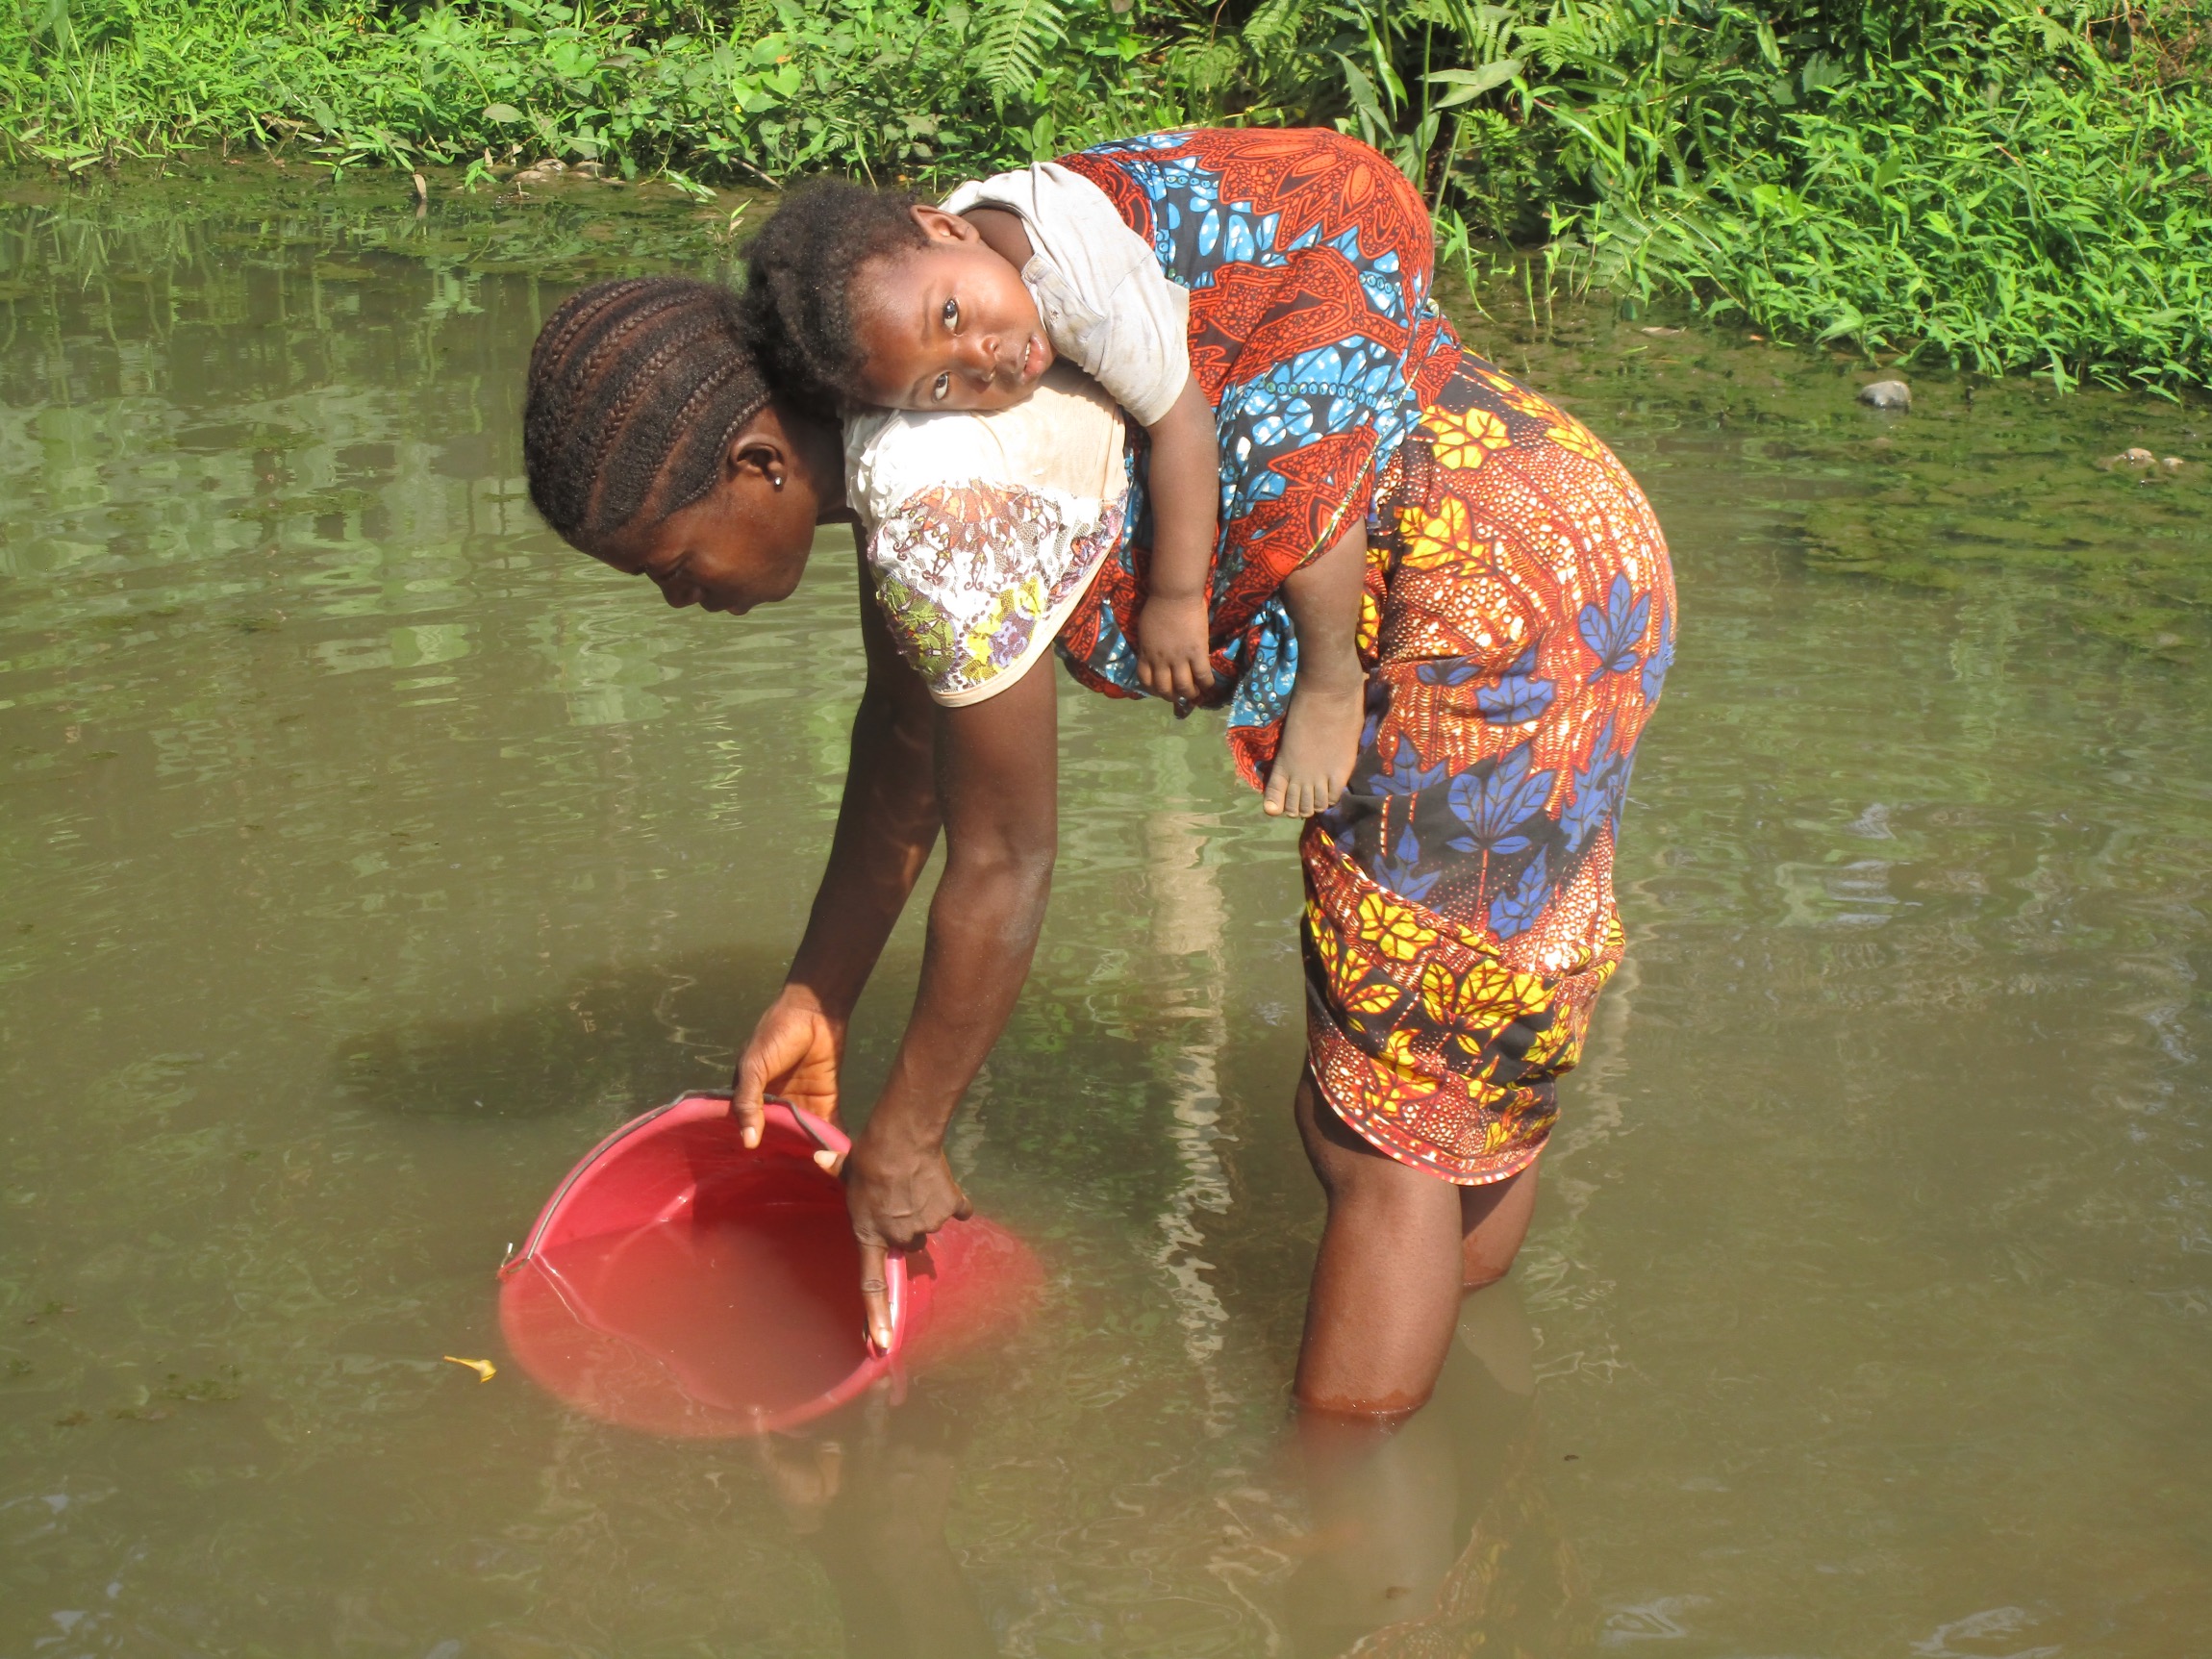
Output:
x=635 y=388
x=802 y=262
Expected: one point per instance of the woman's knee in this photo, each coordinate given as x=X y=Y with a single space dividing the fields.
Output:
x=1351 y=1171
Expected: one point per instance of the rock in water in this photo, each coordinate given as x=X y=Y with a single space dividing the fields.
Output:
x=1887 y=394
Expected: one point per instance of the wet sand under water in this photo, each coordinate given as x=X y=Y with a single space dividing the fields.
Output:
x=367 y=857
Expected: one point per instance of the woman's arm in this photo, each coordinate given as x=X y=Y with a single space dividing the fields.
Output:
x=886 y=824
x=997 y=783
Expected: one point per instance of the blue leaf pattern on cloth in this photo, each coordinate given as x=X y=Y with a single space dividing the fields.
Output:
x=1406 y=775
x=1613 y=629
x=1401 y=871
x=1263 y=691
x=1521 y=695
x=1656 y=664
x=1446 y=672
x=1516 y=909
x=1496 y=805
x=1597 y=792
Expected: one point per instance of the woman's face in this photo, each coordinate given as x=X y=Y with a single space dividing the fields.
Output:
x=746 y=541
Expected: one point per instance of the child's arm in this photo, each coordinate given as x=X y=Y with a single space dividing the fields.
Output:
x=1185 y=482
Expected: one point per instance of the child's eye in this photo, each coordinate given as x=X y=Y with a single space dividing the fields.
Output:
x=952 y=315
x=940 y=386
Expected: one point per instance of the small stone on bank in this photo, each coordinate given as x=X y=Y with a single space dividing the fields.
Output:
x=1887 y=394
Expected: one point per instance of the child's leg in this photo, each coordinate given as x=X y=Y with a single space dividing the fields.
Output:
x=1400 y=1248
x=1321 y=728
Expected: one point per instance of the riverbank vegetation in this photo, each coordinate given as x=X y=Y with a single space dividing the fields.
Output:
x=1993 y=183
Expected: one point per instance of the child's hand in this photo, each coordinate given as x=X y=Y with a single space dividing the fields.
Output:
x=1172 y=659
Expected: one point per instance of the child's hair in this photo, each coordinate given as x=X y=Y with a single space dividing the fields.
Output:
x=633 y=385
x=798 y=300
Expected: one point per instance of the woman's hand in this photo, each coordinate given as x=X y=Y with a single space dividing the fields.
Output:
x=898 y=1193
x=793 y=1053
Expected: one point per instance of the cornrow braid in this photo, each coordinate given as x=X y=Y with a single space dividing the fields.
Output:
x=635 y=388
x=801 y=266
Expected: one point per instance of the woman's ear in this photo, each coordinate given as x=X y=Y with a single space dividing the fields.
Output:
x=783 y=456
x=755 y=456
x=939 y=226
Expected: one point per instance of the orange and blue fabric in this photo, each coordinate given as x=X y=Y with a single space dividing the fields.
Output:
x=1518 y=623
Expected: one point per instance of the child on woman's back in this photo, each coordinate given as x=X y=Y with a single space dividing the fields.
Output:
x=883 y=300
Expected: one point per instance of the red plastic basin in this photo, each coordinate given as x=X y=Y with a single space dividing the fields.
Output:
x=683 y=1283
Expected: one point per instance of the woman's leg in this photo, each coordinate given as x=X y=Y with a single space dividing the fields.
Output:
x=1400 y=1248
x=1492 y=1221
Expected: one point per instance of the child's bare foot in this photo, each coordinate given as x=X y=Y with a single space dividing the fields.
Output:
x=1320 y=741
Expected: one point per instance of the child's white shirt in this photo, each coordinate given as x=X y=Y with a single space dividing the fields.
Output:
x=1107 y=305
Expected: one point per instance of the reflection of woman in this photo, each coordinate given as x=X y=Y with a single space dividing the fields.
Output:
x=872 y=1512
x=1519 y=620
x=1433 y=1537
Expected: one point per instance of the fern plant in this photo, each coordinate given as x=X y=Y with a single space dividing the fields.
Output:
x=1013 y=38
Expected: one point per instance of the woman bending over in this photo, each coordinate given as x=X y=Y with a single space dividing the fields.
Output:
x=1515 y=623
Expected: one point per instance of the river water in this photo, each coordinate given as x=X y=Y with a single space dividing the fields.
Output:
x=366 y=855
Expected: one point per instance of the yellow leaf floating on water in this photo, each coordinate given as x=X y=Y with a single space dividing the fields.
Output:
x=485 y=1370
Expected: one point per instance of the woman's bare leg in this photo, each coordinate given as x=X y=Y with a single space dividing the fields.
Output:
x=1400 y=1250
x=1386 y=1287
x=1492 y=1221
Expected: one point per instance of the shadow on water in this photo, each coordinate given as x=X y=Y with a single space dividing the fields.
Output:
x=646 y=1032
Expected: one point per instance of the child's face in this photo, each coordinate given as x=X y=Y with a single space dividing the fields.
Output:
x=947 y=326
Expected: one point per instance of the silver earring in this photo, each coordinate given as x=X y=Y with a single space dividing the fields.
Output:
x=776 y=480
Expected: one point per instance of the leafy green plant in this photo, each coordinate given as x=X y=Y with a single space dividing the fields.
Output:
x=1014 y=40
x=1994 y=182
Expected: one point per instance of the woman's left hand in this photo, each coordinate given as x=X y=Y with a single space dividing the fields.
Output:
x=794 y=1055
x=897 y=1196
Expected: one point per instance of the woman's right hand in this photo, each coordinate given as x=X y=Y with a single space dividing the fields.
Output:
x=792 y=1054
x=899 y=1189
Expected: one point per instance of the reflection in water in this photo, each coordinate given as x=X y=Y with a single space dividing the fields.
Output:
x=1429 y=1534
x=1188 y=915
x=870 y=1497
x=366 y=857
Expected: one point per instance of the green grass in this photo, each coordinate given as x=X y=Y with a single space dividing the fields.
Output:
x=1991 y=183
x=755 y=93
x=1991 y=213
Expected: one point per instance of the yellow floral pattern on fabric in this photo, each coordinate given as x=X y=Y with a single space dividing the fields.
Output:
x=1442 y=539
x=1460 y=920
x=1461 y=437
x=1573 y=436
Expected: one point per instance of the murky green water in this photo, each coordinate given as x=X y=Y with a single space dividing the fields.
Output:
x=367 y=856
